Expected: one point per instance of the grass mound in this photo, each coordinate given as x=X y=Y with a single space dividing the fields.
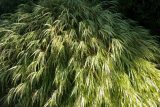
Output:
x=73 y=53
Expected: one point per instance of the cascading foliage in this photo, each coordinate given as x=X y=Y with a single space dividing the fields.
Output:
x=73 y=53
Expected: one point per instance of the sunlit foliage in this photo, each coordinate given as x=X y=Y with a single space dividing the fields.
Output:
x=73 y=53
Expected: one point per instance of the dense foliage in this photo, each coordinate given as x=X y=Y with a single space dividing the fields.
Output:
x=73 y=53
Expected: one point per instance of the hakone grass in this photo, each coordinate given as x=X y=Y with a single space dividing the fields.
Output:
x=74 y=53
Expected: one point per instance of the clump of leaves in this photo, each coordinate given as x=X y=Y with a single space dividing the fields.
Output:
x=73 y=53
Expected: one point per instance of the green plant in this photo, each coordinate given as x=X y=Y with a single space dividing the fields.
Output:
x=72 y=53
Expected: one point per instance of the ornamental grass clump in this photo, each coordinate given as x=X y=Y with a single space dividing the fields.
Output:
x=73 y=53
